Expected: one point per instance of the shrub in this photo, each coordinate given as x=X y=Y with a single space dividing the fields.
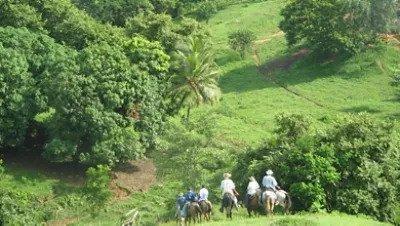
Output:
x=352 y=166
x=206 y=10
x=97 y=182
x=241 y=41
x=20 y=208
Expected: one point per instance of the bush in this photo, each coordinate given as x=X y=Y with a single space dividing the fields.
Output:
x=351 y=167
x=241 y=41
x=20 y=208
x=97 y=182
x=206 y=10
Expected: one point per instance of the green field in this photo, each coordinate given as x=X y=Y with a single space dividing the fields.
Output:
x=334 y=219
x=250 y=101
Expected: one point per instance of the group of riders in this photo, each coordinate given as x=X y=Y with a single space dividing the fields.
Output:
x=269 y=187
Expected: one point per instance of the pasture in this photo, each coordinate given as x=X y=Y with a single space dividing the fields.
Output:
x=325 y=89
x=318 y=219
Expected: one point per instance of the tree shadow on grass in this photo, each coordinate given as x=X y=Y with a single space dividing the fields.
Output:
x=362 y=108
x=244 y=79
x=299 y=66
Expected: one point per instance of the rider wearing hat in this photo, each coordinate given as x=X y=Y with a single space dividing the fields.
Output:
x=227 y=186
x=269 y=182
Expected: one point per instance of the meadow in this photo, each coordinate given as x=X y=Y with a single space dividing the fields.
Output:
x=250 y=101
x=298 y=220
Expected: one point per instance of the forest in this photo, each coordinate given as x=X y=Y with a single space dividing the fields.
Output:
x=114 y=107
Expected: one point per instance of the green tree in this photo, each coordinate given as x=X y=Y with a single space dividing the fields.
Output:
x=94 y=100
x=336 y=26
x=241 y=41
x=115 y=12
x=196 y=82
x=20 y=15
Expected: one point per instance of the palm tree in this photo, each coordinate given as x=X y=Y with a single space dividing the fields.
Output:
x=196 y=83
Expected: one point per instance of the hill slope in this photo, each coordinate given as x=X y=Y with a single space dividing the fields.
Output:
x=298 y=220
x=324 y=90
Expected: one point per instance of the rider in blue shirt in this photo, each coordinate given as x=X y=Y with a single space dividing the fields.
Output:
x=191 y=196
x=181 y=204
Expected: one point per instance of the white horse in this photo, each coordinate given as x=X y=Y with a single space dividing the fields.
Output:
x=280 y=197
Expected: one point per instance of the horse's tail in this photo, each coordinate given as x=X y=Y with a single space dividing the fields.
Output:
x=288 y=202
x=198 y=208
x=210 y=205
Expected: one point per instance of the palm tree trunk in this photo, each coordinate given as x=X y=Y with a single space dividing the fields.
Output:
x=187 y=115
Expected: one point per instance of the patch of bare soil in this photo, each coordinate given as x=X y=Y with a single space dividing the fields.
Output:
x=134 y=176
x=392 y=38
x=284 y=63
x=63 y=222
x=270 y=37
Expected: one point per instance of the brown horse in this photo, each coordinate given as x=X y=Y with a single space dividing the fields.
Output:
x=206 y=208
x=228 y=204
x=270 y=199
x=193 y=213
x=252 y=203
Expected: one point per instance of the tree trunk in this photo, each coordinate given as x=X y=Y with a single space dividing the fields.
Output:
x=188 y=115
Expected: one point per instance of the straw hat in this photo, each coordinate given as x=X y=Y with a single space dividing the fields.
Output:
x=252 y=178
x=227 y=175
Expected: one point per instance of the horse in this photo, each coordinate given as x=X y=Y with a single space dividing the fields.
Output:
x=194 y=213
x=252 y=203
x=270 y=198
x=206 y=208
x=228 y=204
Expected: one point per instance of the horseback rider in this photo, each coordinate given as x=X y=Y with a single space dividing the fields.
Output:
x=269 y=182
x=191 y=196
x=227 y=186
x=253 y=188
x=203 y=194
x=181 y=205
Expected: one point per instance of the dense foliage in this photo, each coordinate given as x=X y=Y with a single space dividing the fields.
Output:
x=352 y=167
x=79 y=90
x=191 y=154
x=337 y=26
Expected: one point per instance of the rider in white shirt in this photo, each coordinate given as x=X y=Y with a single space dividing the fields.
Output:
x=227 y=186
x=203 y=194
x=252 y=188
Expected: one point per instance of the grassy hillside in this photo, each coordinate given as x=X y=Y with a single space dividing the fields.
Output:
x=250 y=101
x=298 y=220
x=245 y=115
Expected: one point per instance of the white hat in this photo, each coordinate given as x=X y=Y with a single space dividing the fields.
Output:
x=227 y=175
x=269 y=172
